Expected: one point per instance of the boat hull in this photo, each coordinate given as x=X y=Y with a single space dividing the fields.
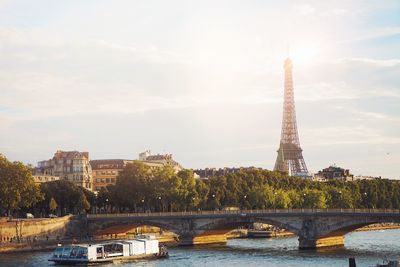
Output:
x=107 y=260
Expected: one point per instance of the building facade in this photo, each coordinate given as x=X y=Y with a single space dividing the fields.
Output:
x=40 y=179
x=73 y=166
x=333 y=172
x=105 y=171
x=159 y=161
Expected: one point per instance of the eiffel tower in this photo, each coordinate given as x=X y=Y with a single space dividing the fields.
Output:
x=290 y=157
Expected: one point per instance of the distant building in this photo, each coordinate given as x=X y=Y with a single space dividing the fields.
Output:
x=40 y=179
x=333 y=172
x=158 y=161
x=105 y=171
x=364 y=177
x=68 y=165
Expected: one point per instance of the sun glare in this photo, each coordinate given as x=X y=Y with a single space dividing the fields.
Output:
x=305 y=54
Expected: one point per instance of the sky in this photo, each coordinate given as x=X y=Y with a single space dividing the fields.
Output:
x=202 y=80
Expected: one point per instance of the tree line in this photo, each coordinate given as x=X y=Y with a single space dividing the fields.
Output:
x=140 y=188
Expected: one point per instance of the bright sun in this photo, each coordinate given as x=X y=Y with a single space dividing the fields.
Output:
x=304 y=54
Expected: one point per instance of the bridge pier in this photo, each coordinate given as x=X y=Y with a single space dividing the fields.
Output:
x=209 y=237
x=323 y=242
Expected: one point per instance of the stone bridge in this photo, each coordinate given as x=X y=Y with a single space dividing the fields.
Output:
x=315 y=228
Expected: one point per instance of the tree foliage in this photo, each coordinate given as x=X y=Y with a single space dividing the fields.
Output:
x=140 y=188
x=69 y=197
x=17 y=187
x=52 y=204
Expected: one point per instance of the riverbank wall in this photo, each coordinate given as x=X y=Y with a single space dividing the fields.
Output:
x=29 y=234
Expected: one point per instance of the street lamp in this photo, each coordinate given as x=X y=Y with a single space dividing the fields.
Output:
x=245 y=197
x=161 y=206
x=143 y=204
x=275 y=201
x=106 y=204
x=365 y=199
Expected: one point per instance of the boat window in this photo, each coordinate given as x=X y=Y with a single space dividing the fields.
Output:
x=113 y=248
x=58 y=252
x=66 y=252
x=74 y=252
x=99 y=251
x=82 y=253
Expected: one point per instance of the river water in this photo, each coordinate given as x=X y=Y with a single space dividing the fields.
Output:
x=369 y=248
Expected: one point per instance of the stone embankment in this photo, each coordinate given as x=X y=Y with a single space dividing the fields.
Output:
x=32 y=234
x=379 y=226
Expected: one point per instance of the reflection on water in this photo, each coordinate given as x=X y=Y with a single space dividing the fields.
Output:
x=368 y=248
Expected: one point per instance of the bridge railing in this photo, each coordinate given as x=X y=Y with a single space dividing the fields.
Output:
x=244 y=212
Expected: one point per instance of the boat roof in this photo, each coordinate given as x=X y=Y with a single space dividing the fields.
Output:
x=123 y=241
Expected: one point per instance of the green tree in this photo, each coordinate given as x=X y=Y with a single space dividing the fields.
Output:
x=52 y=205
x=314 y=198
x=17 y=187
x=83 y=204
x=339 y=198
x=133 y=184
x=65 y=193
x=187 y=192
x=296 y=200
x=282 y=200
x=261 y=198
x=202 y=193
x=103 y=197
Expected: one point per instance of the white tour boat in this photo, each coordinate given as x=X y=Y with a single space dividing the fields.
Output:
x=145 y=246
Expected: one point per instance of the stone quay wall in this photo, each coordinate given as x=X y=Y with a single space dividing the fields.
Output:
x=32 y=230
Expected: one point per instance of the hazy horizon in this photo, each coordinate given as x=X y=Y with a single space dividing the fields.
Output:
x=202 y=81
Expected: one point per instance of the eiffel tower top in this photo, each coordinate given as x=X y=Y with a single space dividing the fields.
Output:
x=288 y=64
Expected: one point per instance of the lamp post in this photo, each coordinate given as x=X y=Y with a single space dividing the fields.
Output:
x=143 y=204
x=304 y=200
x=275 y=201
x=341 y=200
x=161 y=206
x=213 y=201
x=106 y=204
x=193 y=199
x=244 y=202
x=365 y=199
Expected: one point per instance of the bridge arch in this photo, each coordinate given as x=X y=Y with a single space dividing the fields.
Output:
x=229 y=224
x=100 y=228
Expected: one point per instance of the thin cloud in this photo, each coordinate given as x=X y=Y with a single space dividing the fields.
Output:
x=376 y=62
x=374 y=33
x=346 y=135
